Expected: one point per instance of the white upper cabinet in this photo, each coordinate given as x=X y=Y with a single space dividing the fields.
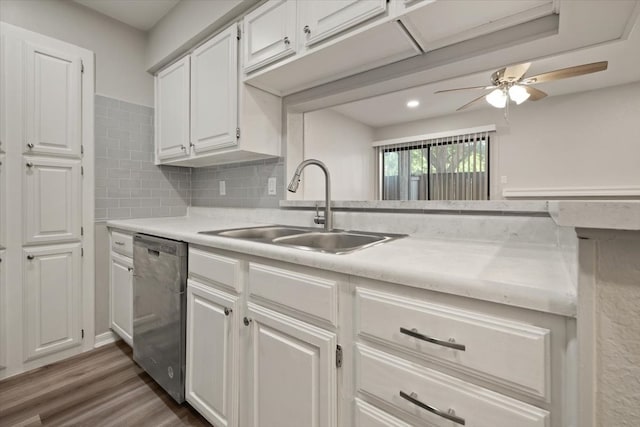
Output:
x=172 y=111
x=321 y=19
x=269 y=33
x=214 y=92
x=52 y=101
x=52 y=202
x=52 y=300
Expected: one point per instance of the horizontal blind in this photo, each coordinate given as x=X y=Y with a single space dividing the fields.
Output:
x=449 y=168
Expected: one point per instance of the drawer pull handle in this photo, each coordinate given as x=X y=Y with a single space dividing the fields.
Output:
x=119 y=243
x=450 y=343
x=449 y=415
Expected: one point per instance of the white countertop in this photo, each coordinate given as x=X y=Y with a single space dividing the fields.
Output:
x=533 y=276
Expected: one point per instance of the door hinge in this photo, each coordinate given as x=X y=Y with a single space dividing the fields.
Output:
x=338 y=356
x=239 y=36
x=81 y=148
x=82 y=333
x=237 y=133
x=81 y=67
x=82 y=170
x=81 y=251
x=82 y=231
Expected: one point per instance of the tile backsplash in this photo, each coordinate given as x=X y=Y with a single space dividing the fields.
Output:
x=128 y=183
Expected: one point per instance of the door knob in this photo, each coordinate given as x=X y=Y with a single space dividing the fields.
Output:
x=286 y=41
x=246 y=321
x=306 y=29
x=227 y=311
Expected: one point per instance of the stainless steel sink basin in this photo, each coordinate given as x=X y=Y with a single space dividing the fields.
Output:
x=311 y=239
x=332 y=242
x=258 y=233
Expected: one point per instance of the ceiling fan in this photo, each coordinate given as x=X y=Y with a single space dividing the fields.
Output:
x=510 y=83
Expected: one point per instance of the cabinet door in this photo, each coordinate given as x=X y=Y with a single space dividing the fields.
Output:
x=51 y=200
x=52 y=299
x=212 y=355
x=293 y=381
x=321 y=19
x=269 y=33
x=3 y=312
x=122 y=297
x=172 y=111
x=214 y=92
x=53 y=101
x=3 y=202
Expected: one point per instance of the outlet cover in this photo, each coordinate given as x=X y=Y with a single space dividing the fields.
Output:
x=271 y=186
x=223 y=188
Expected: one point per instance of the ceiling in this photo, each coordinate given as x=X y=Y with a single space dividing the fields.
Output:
x=140 y=14
x=389 y=109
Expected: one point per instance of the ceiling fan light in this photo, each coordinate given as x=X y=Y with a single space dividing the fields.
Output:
x=497 y=98
x=518 y=94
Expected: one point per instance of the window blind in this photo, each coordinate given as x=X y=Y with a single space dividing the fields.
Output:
x=454 y=167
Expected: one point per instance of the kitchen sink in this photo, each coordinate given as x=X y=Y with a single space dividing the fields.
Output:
x=306 y=238
x=258 y=233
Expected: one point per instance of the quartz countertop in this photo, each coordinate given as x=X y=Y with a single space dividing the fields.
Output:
x=533 y=276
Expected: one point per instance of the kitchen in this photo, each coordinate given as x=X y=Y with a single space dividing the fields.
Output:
x=515 y=303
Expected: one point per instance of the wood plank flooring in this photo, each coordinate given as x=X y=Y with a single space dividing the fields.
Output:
x=103 y=387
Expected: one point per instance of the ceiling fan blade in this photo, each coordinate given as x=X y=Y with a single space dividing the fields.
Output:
x=468 y=104
x=565 y=73
x=513 y=73
x=464 y=88
x=534 y=94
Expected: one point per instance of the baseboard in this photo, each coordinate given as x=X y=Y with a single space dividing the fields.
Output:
x=105 y=338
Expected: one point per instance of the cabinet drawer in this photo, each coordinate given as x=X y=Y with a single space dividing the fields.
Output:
x=215 y=268
x=311 y=295
x=385 y=376
x=510 y=353
x=370 y=416
x=122 y=243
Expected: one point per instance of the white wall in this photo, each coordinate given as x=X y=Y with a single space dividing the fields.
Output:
x=344 y=145
x=119 y=49
x=188 y=23
x=587 y=140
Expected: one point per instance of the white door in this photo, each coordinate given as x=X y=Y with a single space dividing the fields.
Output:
x=122 y=297
x=269 y=33
x=172 y=111
x=3 y=312
x=212 y=354
x=52 y=190
x=214 y=92
x=293 y=365
x=321 y=19
x=3 y=201
x=53 y=92
x=51 y=299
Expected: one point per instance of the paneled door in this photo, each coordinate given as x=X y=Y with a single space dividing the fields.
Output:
x=214 y=92
x=122 y=297
x=296 y=359
x=51 y=200
x=3 y=201
x=3 y=312
x=52 y=299
x=52 y=102
x=212 y=354
x=172 y=111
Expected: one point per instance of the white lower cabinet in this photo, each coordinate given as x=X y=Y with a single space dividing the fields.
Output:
x=293 y=378
x=369 y=416
x=212 y=353
x=52 y=299
x=122 y=297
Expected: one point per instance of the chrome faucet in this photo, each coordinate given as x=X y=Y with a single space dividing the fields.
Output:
x=295 y=181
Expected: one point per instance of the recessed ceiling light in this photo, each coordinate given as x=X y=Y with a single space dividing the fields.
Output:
x=413 y=103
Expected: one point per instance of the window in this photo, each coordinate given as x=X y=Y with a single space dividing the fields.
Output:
x=451 y=168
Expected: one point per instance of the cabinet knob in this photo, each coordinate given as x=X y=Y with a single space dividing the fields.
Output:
x=29 y=164
x=246 y=321
x=183 y=148
x=30 y=146
x=129 y=269
x=286 y=41
x=30 y=257
x=306 y=29
x=227 y=311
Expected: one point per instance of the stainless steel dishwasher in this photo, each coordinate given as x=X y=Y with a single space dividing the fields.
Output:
x=159 y=310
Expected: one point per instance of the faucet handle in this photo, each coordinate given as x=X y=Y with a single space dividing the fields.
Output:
x=318 y=219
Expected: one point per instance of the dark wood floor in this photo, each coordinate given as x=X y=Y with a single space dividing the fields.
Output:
x=103 y=387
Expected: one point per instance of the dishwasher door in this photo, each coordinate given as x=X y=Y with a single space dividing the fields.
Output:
x=159 y=310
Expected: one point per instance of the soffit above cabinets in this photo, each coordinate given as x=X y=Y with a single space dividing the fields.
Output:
x=457 y=40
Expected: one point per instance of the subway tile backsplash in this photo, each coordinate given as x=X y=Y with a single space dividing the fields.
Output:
x=130 y=185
